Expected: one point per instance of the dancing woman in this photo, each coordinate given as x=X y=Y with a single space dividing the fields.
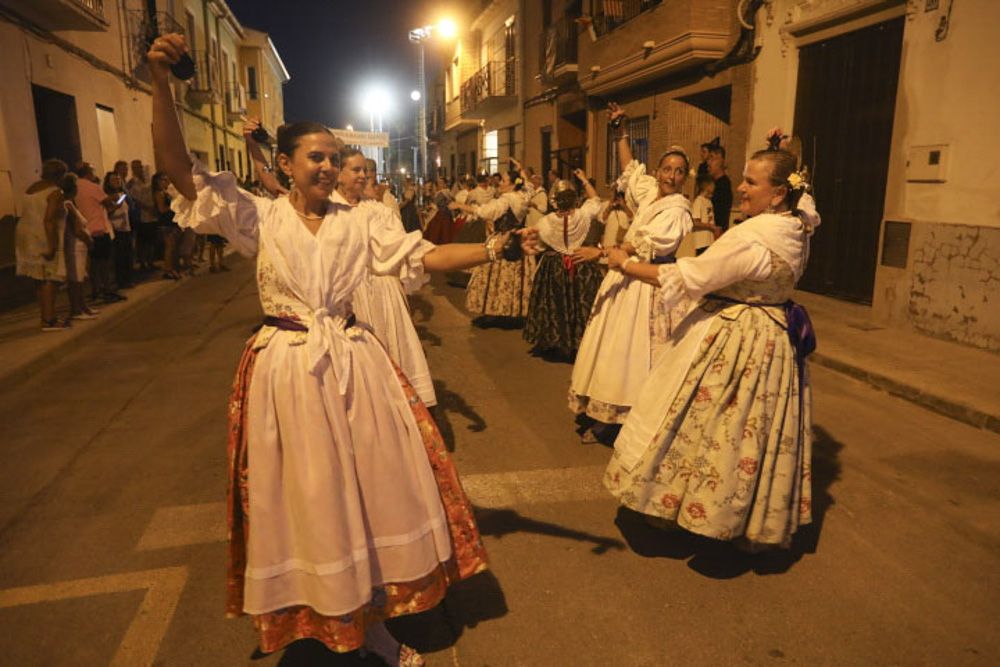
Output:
x=502 y=289
x=624 y=332
x=441 y=228
x=568 y=276
x=344 y=508
x=719 y=440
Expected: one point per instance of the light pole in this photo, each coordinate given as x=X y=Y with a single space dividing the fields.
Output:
x=446 y=28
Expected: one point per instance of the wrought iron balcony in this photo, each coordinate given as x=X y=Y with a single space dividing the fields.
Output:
x=615 y=13
x=236 y=102
x=143 y=28
x=558 y=52
x=204 y=87
x=64 y=14
x=491 y=88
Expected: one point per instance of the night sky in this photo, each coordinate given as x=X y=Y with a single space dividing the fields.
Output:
x=334 y=48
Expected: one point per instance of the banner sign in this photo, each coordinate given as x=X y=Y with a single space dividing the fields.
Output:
x=352 y=138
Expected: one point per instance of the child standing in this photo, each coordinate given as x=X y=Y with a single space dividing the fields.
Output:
x=705 y=230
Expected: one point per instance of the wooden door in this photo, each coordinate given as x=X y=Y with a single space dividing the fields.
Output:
x=844 y=112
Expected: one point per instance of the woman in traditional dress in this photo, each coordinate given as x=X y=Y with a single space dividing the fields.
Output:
x=625 y=330
x=501 y=290
x=344 y=508
x=441 y=228
x=719 y=440
x=568 y=275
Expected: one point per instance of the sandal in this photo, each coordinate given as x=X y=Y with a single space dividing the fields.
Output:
x=407 y=657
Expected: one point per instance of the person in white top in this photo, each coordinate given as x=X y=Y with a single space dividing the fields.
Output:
x=568 y=275
x=625 y=331
x=39 y=240
x=617 y=219
x=538 y=205
x=719 y=441
x=344 y=506
x=705 y=229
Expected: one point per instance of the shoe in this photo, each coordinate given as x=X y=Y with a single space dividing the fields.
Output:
x=55 y=325
x=113 y=297
x=588 y=438
x=84 y=316
x=407 y=657
x=91 y=311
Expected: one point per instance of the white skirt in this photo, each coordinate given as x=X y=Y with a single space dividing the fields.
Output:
x=616 y=351
x=342 y=497
x=379 y=302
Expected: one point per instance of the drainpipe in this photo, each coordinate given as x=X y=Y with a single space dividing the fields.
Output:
x=211 y=74
x=744 y=50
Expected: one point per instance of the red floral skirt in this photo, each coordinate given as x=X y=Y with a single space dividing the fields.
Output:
x=344 y=633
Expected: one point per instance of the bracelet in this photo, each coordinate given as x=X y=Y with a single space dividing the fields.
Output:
x=491 y=253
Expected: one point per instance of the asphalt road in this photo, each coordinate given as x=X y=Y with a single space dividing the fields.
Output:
x=112 y=533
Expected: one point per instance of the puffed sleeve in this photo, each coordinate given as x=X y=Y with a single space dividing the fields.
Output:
x=221 y=207
x=729 y=260
x=395 y=251
x=639 y=187
x=591 y=208
x=493 y=209
x=663 y=233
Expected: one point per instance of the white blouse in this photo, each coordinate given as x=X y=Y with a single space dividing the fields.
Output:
x=660 y=223
x=577 y=226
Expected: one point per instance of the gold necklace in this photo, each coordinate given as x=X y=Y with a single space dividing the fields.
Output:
x=308 y=216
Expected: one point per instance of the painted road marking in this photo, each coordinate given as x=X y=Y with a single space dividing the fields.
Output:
x=142 y=638
x=186 y=525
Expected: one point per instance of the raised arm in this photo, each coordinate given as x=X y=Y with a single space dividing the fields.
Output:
x=624 y=145
x=261 y=169
x=522 y=172
x=168 y=141
x=588 y=189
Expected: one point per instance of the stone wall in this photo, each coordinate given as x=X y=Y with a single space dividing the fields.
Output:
x=955 y=287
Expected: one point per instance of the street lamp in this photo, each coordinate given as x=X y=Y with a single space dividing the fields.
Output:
x=447 y=29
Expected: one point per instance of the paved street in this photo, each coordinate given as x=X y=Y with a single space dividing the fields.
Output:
x=112 y=529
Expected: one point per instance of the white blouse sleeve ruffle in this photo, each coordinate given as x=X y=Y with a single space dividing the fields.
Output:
x=729 y=260
x=592 y=207
x=638 y=186
x=221 y=207
x=396 y=252
x=663 y=234
x=493 y=209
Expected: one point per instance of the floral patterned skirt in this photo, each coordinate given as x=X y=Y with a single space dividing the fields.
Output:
x=560 y=303
x=731 y=454
x=346 y=632
x=501 y=288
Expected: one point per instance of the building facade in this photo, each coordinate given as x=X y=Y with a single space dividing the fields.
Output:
x=75 y=87
x=889 y=98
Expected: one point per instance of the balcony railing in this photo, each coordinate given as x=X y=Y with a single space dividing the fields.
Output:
x=205 y=86
x=496 y=81
x=236 y=102
x=557 y=54
x=67 y=14
x=614 y=13
x=143 y=28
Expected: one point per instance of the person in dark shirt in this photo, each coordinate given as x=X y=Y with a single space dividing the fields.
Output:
x=722 y=198
x=706 y=150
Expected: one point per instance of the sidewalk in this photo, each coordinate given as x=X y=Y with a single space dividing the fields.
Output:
x=954 y=380
x=958 y=381
x=25 y=350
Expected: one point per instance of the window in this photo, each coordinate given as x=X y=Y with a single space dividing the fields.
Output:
x=252 y=82
x=638 y=130
x=490 y=152
x=192 y=31
x=508 y=144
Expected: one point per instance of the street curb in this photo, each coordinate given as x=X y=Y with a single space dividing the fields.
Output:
x=935 y=403
x=101 y=324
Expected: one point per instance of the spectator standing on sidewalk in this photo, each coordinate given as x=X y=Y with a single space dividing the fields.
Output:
x=703 y=214
x=169 y=231
x=38 y=240
x=94 y=204
x=123 y=258
x=143 y=216
x=722 y=197
x=76 y=249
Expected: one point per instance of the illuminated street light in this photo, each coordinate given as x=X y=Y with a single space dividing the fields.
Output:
x=350 y=128
x=446 y=29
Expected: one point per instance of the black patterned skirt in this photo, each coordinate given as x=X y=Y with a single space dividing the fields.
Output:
x=561 y=299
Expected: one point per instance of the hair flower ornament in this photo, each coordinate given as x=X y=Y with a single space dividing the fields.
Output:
x=796 y=181
x=518 y=181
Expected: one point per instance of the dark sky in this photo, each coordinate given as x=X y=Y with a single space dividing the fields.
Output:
x=334 y=48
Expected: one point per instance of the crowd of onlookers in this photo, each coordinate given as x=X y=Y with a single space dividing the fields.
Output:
x=81 y=230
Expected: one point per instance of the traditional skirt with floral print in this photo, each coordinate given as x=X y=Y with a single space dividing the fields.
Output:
x=346 y=632
x=501 y=288
x=731 y=457
x=561 y=298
